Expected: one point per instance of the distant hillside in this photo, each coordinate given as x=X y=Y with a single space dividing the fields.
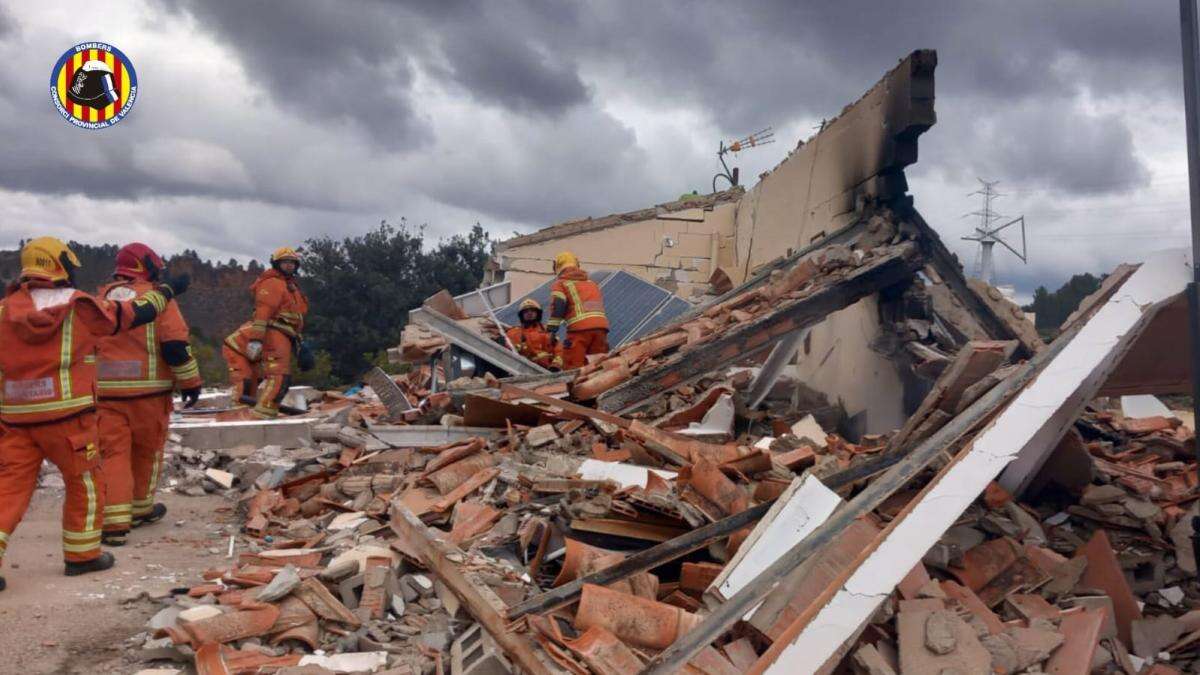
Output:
x=218 y=301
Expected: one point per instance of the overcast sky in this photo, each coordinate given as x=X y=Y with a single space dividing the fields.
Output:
x=263 y=123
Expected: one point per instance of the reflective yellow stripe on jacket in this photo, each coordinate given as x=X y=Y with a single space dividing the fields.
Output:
x=583 y=310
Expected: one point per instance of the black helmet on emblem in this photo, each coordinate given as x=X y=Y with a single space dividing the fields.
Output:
x=92 y=85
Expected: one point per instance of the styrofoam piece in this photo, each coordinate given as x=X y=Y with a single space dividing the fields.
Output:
x=354 y=662
x=1019 y=438
x=625 y=475
x=799 y=510
x=716 y=421
x=1144 y=405
x=809 y=428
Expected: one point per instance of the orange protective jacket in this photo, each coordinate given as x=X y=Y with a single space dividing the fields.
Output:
x=279 y=304
x=135 y=363
x=536 y=344
x=50 y=336
x=576 y=301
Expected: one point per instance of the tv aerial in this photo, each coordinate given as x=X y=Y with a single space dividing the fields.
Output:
x=764 y=137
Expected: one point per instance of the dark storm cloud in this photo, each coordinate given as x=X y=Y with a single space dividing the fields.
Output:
x=344 y=126
x=353 y=59
x=339 y=60
x=7 y=23
x=495 y=68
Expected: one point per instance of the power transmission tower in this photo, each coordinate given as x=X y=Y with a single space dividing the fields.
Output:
x=986 y=232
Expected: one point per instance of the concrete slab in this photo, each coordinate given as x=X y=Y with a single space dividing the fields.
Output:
x=209 y=435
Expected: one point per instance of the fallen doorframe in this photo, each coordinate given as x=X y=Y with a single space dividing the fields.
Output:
x=1024 y=431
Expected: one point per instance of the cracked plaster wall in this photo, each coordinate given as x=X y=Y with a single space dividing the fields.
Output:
x=675 y=251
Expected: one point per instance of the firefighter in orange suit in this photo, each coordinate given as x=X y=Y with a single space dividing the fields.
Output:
x=50 y=334
x=576 y=300
x=137 y=372
x=262 y=348
x=532 y=340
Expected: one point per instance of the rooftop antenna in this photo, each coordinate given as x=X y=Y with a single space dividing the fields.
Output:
x=987 y=231
x=764 y=137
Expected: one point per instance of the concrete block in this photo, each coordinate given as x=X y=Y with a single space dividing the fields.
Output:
x=286 y=433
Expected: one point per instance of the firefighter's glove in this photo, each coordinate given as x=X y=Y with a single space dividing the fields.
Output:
x=152 y=271
x=190 y=396
x=173 y=287
x=254 y=350
x=305 y=357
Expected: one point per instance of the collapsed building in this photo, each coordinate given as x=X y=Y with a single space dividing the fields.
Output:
x=844 y=457
x=847 y=178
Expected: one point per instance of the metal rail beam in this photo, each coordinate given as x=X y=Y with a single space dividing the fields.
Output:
x=476 y=344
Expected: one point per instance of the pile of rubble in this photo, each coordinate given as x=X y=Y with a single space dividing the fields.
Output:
x=407 y=559
x=698 y=534
x=1096 y=573
x=698 y=518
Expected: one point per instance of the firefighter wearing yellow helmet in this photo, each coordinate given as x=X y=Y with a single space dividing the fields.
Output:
x=531 y=339
x=262 y=349
x=576 y=301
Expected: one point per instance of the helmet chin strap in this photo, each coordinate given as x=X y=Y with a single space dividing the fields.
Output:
x=69 y=267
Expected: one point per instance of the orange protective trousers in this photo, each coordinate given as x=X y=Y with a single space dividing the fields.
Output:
x=132 y=434
x=274 y=368
x=580 y=343
x=73 y=445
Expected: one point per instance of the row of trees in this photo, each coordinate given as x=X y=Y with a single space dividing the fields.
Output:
x=1052 y=309
x=360 y=289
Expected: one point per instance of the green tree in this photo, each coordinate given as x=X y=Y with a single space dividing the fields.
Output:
x=208 y=357
x=321 y=374
x=360 y=289
x=1054 y=308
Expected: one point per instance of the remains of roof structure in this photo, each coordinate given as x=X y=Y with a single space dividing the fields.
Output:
x=929 y=488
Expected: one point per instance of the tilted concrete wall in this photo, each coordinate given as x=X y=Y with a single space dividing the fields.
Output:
x=859 y=155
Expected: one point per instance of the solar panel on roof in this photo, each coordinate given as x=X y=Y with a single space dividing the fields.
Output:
x=508 y=314
x=628 y=299
x=661 y=317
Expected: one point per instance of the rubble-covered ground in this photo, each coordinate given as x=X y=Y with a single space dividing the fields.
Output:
x=326 y=572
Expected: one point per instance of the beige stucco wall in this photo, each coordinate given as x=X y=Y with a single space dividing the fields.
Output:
x=674 y=250
x=840 y=362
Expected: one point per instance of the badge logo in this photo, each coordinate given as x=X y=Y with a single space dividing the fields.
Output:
x=93 y=85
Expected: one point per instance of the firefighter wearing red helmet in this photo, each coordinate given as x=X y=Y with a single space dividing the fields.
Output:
x=137 y=372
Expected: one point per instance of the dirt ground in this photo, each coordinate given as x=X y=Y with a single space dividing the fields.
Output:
x=50 y=623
